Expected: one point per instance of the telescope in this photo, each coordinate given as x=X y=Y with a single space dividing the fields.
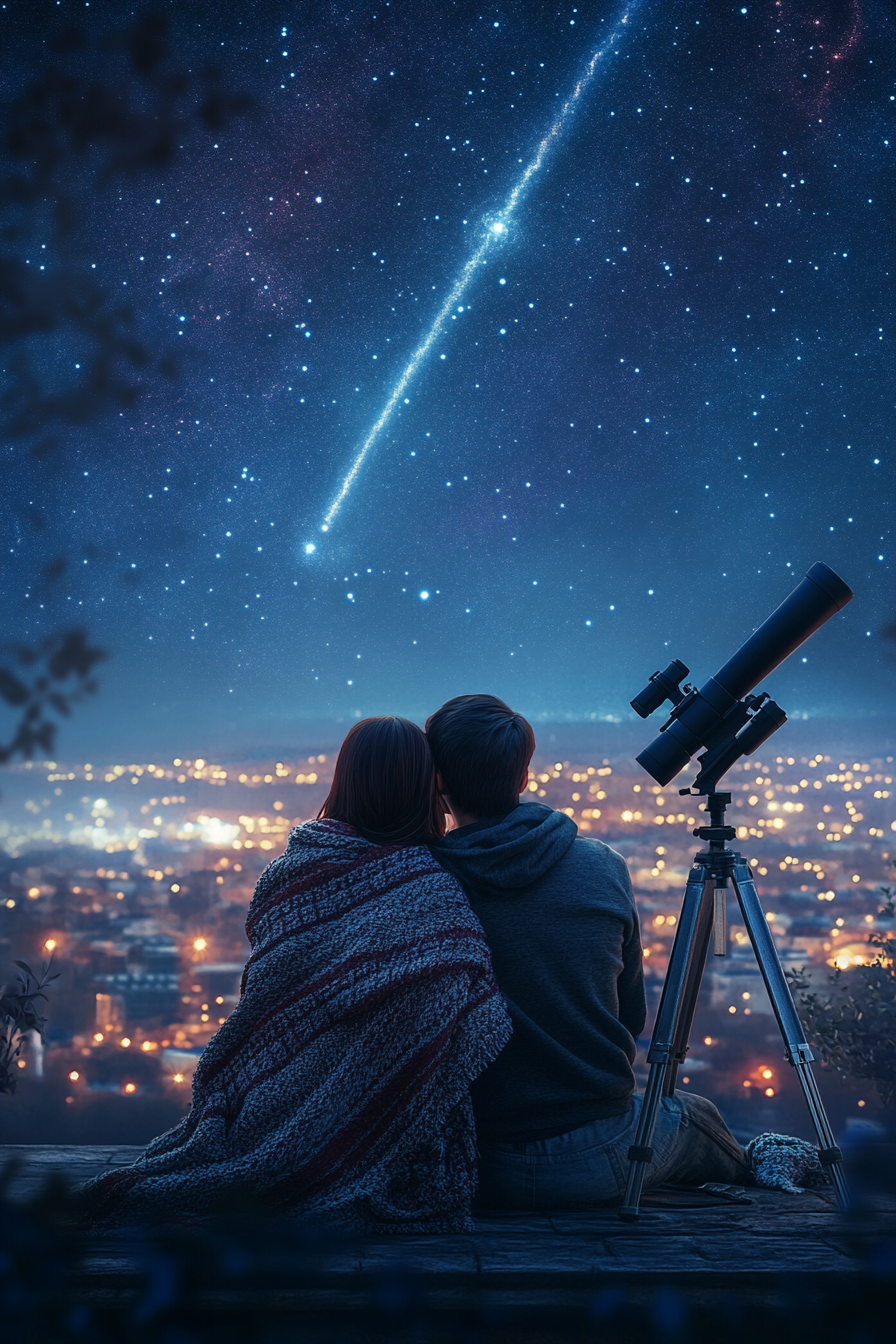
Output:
x=722 y=718
x=727 y=722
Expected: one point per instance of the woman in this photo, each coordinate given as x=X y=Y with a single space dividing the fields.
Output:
x=339 y=1086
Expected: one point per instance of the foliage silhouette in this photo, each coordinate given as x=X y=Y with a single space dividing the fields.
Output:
x=855 y=1025
x=20 y=1012
x=104 y=107
x=49 y=678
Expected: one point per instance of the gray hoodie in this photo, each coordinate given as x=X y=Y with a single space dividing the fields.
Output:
x=559 y=917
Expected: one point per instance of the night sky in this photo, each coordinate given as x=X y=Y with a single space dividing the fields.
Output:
x=669 y=390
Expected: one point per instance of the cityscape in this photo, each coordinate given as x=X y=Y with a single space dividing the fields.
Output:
x=135 y=880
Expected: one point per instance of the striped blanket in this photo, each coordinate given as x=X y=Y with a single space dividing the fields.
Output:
x=339 y=1086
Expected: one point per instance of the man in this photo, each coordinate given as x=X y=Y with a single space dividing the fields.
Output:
x=557 y=1110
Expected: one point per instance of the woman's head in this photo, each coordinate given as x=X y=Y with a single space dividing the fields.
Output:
x=385 y=784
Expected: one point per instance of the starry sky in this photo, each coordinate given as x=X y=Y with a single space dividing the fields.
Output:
x=665 y=395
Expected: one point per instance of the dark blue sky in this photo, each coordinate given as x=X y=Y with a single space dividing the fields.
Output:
x=670 y=390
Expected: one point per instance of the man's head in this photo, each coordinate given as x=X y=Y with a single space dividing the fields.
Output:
x=482 y=751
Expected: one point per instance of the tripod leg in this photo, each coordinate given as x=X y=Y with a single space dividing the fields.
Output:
x=796 y=1046
x=693 y=979
x=669 y=1042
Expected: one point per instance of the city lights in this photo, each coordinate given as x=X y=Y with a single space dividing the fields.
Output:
x=158 y=989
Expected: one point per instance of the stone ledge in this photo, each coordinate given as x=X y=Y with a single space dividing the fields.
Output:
x=556 y=1259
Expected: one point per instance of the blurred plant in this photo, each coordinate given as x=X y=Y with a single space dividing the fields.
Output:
x=20 y=1012
x=855 y=1026
x=49 y=678
x=103 y=107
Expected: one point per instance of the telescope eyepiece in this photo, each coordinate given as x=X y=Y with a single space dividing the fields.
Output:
x=662 y=686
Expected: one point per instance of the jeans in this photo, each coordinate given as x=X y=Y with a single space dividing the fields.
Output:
x=691 y=1144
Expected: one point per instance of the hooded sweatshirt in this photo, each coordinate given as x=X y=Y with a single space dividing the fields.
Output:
x=559 y=917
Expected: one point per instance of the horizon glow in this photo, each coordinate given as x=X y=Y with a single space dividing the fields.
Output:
x=496 y=231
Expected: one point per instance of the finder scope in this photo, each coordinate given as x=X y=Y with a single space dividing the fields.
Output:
x=722 y=716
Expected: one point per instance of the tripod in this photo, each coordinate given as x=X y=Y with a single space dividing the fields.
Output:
x=703 y=913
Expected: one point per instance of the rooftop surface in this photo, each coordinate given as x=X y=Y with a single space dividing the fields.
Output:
x=553 y=1259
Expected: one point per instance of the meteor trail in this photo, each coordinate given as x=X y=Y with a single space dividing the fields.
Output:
x=495 y=232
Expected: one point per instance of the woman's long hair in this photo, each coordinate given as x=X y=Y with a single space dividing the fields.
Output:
x=384 y=784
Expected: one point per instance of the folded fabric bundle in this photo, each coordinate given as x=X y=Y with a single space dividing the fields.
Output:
x=781 y=1162
x=339 y=1085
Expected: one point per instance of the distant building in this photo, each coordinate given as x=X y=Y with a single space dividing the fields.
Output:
x=110 y=1012
x=146 y=997
x=147 y=992
x=219 y=978
x=736 y=982
x=179 y=1064
x=196 y=894
x=158 y=954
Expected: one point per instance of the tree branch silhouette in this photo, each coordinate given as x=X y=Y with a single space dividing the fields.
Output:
x=103 y=108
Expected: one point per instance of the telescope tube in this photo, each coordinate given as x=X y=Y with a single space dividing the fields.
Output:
x=814 y=600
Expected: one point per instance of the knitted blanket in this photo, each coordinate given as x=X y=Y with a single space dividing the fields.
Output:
x=781 y=1162
x=339 y=1085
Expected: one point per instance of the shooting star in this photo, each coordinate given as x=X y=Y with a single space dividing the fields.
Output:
x=495 y=232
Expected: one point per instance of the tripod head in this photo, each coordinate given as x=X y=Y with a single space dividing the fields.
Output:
x=750 y=722
x=722 y=718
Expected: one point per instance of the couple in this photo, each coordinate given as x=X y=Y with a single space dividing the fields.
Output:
x=428 y=1016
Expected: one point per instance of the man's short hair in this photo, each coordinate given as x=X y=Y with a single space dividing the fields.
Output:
x=481 y=749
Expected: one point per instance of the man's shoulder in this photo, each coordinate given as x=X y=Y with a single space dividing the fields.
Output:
x=598 y=849
x=594 y=857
